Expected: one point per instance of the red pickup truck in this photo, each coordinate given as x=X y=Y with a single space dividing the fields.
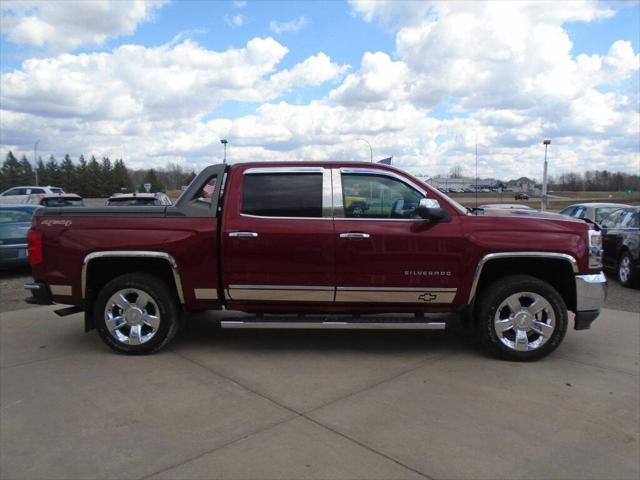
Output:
x=319 y=245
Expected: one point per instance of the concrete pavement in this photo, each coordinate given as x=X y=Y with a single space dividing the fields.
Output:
x=296 y=405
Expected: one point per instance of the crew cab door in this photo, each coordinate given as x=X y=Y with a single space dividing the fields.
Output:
x=384 y=252
x=278 y=237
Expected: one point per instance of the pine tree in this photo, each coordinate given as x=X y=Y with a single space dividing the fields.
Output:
x=108 y=184
x=121 y=177
x=80 y=178
x=93 y=179
x=67 y=174
x=10 y=172
x=43 y=178
x=53 y=172
x=152 y=178
x=27 y=176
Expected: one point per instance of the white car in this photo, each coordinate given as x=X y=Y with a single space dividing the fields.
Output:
x=21 y=194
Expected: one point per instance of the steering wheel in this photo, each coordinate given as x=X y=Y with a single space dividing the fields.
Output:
x=397 y=208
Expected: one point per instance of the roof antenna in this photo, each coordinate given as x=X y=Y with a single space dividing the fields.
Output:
x=476 y=168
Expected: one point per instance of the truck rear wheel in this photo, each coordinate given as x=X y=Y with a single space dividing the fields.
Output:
x=136 y=314
x=521 y=318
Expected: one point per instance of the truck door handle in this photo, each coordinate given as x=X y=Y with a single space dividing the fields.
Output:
x=354 y=235
x=243 y=234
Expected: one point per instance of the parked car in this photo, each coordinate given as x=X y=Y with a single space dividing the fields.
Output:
x=521 y=196
x=21 y=194
x=275 y=240
x=138 y=199
x=513 y=206
x=596 y=212
x=15 y=221
x=61 y=200
x=621 y=245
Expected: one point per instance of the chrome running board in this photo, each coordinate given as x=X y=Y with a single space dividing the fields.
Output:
x=336 y=325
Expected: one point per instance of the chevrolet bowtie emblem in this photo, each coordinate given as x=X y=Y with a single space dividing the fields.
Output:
x=427 y=297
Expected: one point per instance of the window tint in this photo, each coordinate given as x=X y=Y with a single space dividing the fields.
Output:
x=612 y=219
x=604 y=212
x=580 y=212
x=627 y=220
x=376 y=196
x=53 y=190
x=61 y=202
x=13 y=191
x=40 y=190
x=282 y=195
x=568 y=211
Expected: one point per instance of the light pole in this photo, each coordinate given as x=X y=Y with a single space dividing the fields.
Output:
x=224 y=142
x=546 y=142
x=35 y=160
x=370 y=149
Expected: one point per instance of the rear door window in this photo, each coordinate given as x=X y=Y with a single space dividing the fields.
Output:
x=282 y=195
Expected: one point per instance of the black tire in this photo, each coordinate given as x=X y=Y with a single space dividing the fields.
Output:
x=162 y=296
x=497 y=293
x=627 y=279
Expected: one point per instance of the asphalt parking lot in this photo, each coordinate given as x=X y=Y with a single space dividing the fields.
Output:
x=295 y=405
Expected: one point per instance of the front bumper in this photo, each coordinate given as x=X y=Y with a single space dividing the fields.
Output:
x=40 y=293
x=591 y=293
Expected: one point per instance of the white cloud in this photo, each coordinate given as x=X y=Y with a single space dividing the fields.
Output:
x=234 y=20
x=66 y=25
x=183 y=80
x=239 y=3
x=290 y=26
x=505 y=70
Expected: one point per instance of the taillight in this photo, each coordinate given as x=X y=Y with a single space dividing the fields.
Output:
x=34 y=239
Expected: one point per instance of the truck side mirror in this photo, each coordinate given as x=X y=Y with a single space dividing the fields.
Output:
x=430 y=210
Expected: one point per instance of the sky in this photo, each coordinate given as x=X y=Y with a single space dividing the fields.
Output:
x=159 y=82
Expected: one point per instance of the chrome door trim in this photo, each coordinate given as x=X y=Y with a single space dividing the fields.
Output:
x=384 y=173
x=338 y=202
x=336 y=187
x=424 y=295
x=264 y=170
x=132 y=253
x=493 y=256
x=327 y=208
x=279 y=293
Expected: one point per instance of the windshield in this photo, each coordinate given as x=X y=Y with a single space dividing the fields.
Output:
x=57 y=190
x=604 y=212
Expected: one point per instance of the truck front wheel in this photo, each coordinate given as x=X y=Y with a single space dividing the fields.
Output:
x=521 y=318
x=136 y=314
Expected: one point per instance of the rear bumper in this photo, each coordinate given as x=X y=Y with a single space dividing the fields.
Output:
x=40 y=293
x=591 y=293
x=14 y=253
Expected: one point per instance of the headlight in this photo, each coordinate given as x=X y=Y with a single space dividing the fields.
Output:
x=595 y=249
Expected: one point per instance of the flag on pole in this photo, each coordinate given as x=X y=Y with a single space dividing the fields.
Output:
x=386 y=161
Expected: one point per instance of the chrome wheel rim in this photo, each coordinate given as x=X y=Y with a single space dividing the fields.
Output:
x=132 y=316
x=624 y=270
x=524 y=321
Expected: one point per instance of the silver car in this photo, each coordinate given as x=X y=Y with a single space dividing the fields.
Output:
x=596 y=212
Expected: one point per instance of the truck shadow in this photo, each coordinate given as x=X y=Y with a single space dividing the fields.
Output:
x=203 y=332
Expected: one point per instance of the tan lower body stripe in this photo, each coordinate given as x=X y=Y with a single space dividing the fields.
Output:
x=292 y=293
